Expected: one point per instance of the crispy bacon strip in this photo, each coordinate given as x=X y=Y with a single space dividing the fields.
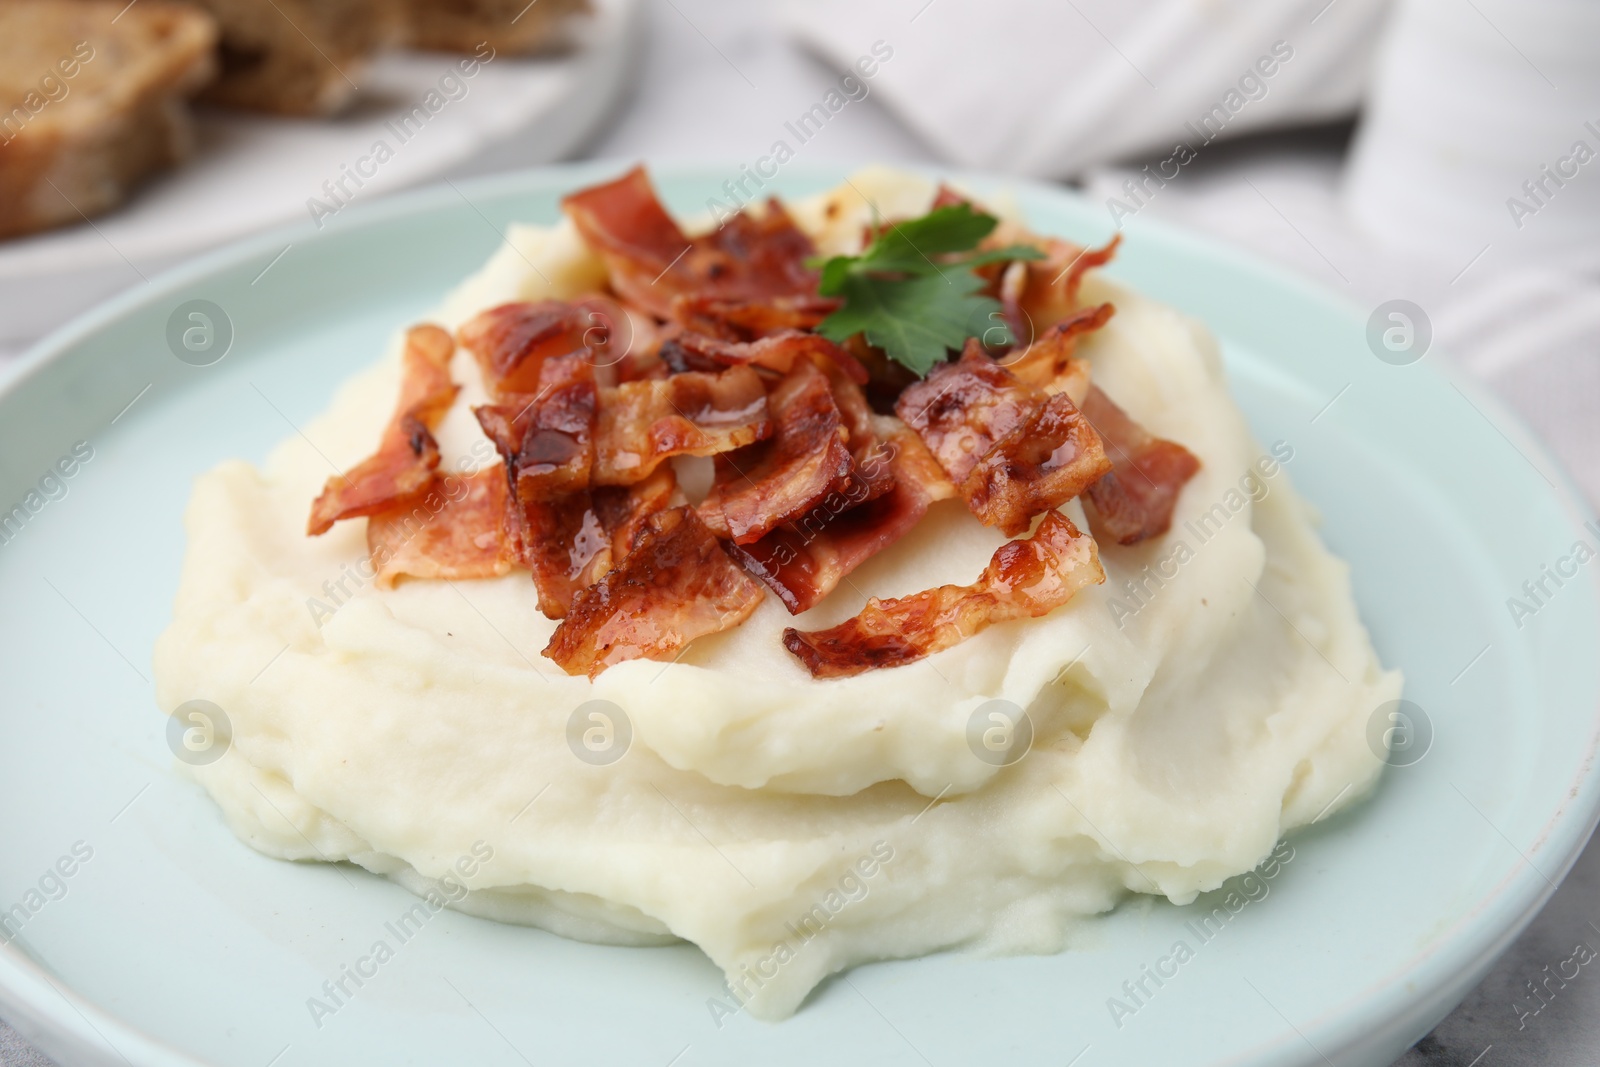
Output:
x=651 y=261
x=564 y=532
x=1014 y=451
x=768 y=484
x=1024 y=579
x=547 y=437
x=1049 y=362
x=1047 y=290
x=643 y=423
x=570 y=542
x=686 y=351
x=560 y=541
x=512 y=341
x=455 y=531
x=1050 y=458
x=404 y=465
x=961 y=409
x=750 y=320
x=805 y=561
x=624 y=510
x=947 y=196
x=1135 y=500
x=676 y=585
x=861 y=430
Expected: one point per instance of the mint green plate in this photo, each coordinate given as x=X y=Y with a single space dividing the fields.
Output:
x=173 y=943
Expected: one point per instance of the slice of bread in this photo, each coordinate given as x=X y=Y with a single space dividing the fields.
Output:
x=514 y=27
x=298 y=57
x=92 y=99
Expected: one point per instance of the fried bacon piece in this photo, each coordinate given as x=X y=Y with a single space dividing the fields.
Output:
x=1135 y=500
x=961 y=409
x=1036 y=295
x=564 y=532
x=569 y=540
x=651 y=261
x=403 y=467
x=623 y=511
x=547 y=437
x=1053 y=456
x=1024 y=579
x=861 y=428
x=572 y=541
x=511 y=342
x=805 y=561
x=686 y=351
x=1048 y=363
x=777 y=481
x=643 y=423
x=1013 y=451
x=455 y=531
x=750 y=320
x=947 y=196
x=676 y=585
x=560 y=541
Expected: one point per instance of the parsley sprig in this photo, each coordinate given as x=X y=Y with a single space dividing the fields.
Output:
x=913 y=292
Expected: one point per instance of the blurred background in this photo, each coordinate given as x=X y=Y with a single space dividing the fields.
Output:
x=1433 y=162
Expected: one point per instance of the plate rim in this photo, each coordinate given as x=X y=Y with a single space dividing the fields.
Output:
x=36 y=1006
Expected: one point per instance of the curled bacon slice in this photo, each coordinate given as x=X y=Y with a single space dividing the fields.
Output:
x=560 y=541
x=511 y=342
x=1013 y=450
x=1135 y=500
x=570 y=542
x=805 y=561
x=961 y=409
x=643 y=423
x=779 y=480
x=686 y=351
x=1053 y=456
x=455 y=531
x=1045 y=291
x=750 y=320
x=1049 y=362
x=547 y=437
x=1024 y=579
x=651 y=261
x=555 y=525
x=676 y=585
x=404 y=465
x=624 y=510
x=861 y=431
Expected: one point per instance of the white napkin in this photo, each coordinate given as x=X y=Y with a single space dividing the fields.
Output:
x=1048 y=87
x=1528 y=332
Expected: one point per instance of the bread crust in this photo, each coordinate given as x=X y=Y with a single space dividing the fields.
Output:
x=94 y=100
x=298 y=57
x=510 y=27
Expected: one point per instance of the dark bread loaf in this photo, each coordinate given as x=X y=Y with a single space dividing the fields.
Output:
x=93 y=98
x=512 y=27
x=298 y=57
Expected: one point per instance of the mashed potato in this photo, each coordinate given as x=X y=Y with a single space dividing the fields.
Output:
x=1211 y=696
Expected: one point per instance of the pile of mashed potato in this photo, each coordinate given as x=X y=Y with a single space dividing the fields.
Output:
x=1212 y=695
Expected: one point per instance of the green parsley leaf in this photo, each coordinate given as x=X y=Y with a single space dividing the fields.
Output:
x=913 y=306
x=907 y=245
x=916 y=320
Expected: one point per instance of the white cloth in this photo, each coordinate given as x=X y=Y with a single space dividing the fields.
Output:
x=1531 y=334
x=1048 y=88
